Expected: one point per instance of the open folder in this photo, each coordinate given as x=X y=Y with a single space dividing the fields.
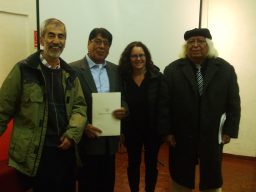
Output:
x=103 y=105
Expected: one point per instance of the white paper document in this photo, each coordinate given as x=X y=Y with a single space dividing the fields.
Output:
x=103 y=105
x=222 y=121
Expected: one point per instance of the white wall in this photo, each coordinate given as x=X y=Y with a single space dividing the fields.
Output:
x=232 y=24
x=17 y=23
x=26 y=8
x=160 y=24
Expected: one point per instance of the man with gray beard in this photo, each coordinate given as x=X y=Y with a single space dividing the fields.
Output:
x=43 y=96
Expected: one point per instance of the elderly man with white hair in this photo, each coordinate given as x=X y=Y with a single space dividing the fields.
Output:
x=200 y=112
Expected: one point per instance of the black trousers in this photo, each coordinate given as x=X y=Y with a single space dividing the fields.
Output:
x=97 y=173
x=56 y=172
x=134 y=145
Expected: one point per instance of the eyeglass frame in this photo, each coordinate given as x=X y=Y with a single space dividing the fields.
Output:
x=138 y=56
x=99 y=42
x=198 y=41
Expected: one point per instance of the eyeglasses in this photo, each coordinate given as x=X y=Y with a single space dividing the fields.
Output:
x=139 y=56
x=198 y=41
x=99 y=42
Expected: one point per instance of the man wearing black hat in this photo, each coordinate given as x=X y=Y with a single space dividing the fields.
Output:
x=200 y=112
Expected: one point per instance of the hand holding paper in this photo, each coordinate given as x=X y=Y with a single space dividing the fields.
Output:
x=119 y=113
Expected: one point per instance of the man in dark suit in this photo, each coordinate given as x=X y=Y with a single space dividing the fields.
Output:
x=98 y=152
x=202 y=114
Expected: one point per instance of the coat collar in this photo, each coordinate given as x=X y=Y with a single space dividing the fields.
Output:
x=87 y=75
x=33 y=61
x=188 y=71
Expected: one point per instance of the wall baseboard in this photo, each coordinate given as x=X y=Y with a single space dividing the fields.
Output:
x=227 y=155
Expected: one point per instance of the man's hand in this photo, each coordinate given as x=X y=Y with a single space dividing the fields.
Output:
x=91 y=131
x=119 y=113
x=225 y=139
x=170 y=139
x=65 y=143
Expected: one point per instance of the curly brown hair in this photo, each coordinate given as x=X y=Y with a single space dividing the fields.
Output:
x=125 y=68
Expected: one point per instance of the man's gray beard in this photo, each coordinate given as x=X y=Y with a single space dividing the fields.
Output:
x=55 y=54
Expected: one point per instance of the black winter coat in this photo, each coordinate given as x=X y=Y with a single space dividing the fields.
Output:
x=195 y=120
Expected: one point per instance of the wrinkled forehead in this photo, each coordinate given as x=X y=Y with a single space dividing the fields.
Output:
x=100 y=36
x=54 y=26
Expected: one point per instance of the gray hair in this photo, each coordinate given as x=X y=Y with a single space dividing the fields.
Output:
x=212 y=52
x=50 y=21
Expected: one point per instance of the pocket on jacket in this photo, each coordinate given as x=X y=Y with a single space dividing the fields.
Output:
x=19 y=148
x=31 y=102
x=32 y=92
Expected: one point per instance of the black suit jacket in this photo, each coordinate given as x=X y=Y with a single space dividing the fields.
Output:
x=106 y=144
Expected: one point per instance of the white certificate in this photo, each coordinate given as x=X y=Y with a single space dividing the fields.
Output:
x=103 y=105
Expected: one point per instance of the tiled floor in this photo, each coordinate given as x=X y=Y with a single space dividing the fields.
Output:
x=239 y=173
